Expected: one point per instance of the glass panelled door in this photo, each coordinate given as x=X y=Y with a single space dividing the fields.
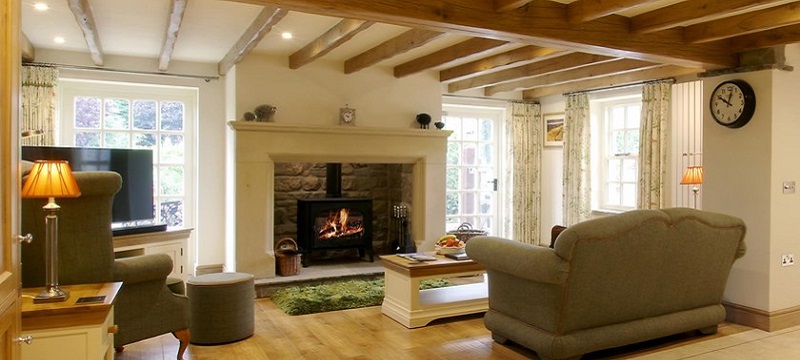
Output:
x=472 y=167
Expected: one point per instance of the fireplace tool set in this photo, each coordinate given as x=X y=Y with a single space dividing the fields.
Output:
x=402 y=243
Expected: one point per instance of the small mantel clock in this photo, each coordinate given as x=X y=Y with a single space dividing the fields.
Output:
x=347 y=116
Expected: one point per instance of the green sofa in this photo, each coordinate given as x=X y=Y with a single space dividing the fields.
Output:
x=612 y=281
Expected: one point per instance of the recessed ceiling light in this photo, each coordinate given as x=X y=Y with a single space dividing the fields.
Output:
x=287 y=35
x=41 y=6
x=59 y=40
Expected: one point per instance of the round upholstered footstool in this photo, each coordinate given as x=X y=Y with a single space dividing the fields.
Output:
x=220 y=308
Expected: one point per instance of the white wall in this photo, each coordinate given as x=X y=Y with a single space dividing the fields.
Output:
x=552 y=174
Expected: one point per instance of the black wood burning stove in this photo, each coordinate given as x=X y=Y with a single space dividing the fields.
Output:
x=334 y=222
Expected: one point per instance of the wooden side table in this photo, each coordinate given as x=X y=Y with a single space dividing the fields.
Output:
x=406 y=304
x=66 y=330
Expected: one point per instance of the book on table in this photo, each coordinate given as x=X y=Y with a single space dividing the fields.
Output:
x=417 y=257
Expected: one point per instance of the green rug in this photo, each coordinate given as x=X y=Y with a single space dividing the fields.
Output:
x=301 y=300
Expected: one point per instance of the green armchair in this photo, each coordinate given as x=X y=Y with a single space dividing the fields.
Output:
x=144 y=306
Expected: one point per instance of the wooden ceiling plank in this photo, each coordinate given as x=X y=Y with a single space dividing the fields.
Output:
x=177 y=8
x=587 y=10
x=633 y=77
x=83 y=15
x=261 y=26
x=451 y=53
x=541 y=22
x=509 y=5
x=519 y=56
x=769 y=38
x=682 y=13
x=743 y=24
x=578 y=74
x=400 y=44
x=331 y=39
x=558 y=63
x=27 y=48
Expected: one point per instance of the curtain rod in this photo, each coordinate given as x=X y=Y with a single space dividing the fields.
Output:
x=486 y=98
x=135 y=72
x=670 y=80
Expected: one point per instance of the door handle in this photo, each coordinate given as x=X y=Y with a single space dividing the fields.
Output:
x=25 y=339
x=25 y=239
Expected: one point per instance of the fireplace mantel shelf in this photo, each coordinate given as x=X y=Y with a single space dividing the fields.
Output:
x=352 y=130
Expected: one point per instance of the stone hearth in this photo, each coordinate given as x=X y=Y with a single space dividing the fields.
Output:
x=258 y=146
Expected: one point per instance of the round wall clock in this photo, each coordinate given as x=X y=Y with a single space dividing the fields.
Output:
x=347 y=116
x=733 y=103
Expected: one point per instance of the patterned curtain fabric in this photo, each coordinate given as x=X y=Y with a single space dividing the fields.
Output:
x=526 y=152
x=39 y=86
x=653 y=144
x=577 y=171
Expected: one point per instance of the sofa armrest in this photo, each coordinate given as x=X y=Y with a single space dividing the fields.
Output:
x=142 y=268
x=535 y=263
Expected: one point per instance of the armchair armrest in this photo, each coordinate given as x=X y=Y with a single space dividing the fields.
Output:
x=531 y=262
x=142 y=268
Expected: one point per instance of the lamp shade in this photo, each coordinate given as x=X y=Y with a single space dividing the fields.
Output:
x=50 y=179
x=692 y=176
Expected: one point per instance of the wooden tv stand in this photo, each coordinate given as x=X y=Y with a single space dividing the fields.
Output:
x=173 y=242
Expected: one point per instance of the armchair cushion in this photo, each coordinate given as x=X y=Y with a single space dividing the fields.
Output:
x=142 y=268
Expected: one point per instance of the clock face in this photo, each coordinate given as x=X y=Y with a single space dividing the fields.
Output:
x=733 y=103
x=347 y=116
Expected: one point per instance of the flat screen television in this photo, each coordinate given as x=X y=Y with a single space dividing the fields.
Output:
x=133 y=204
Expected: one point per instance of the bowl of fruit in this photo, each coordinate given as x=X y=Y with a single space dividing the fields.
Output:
x=449 y=244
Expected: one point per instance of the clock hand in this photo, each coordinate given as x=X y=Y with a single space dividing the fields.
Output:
x=723 y=100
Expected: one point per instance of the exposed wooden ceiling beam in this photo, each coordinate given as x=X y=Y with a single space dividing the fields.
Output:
x=747 y=23
x=558 y=63
x=769 y=38
x=588 y=10
x=602 y=69
x=406 y=41
x=177 y=8
x=685 y=12
x=660 y=72
x=451 y=53
x=83 y=15
x=266 y=19
x=519 y=56
x=331 y=39
x=509 y=5
x=28 y=51
x=541 y=22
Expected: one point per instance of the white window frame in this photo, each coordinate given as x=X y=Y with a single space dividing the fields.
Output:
x=498 y=115
x=600 y=128
x=71 y=88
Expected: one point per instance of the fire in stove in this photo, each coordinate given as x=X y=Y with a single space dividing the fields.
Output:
x=340 y=224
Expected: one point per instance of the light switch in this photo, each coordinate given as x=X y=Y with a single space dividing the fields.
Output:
x=788 y=187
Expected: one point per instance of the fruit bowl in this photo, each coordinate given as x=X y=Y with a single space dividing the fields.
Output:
x=444 y=250
x=449 y=244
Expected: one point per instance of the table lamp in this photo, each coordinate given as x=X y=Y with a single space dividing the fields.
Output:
x=51 y=179
x=693 y=176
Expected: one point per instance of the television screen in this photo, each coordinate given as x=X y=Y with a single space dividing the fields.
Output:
x=134 y=201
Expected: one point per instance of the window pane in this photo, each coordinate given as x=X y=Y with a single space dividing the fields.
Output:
x=172 y=115
x=172 y=212
x=613 y=194
x=469 y=204
x=171 y=180
x=470 y=129
x=614 y=169
x=454 y=123
x=452 y=179
x=469 y=178
x=629 y=195
x=629 y=170
x=144 y=141
x=116 y=139
x=485 y=157
x=617 y=118
x=486 y=201
x=144 y=114
x=486 y=130
x=87 y=112
x=453 y=153
x=452 y=222
x=452 y=203
x=469 y=154
x=486 y=179
x=116 y=114
x=171 y=149
x=634 y=116
x=617 y=145
x=87 y=139
x=632 y=141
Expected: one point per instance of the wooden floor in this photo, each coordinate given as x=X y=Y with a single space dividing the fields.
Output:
x=367 y=334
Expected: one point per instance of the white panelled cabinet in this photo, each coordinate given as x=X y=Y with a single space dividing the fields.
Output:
x=173 y=242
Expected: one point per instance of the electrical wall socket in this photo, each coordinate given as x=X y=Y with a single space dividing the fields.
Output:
x=787 y=259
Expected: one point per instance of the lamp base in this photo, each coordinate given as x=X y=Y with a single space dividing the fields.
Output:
x=51 y=295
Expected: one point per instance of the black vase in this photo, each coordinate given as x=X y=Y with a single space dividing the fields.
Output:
x=423 y=119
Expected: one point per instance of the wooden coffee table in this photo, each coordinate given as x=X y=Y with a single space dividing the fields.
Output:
x=406 y=304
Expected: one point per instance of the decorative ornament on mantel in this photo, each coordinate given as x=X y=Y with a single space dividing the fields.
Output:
x=248 y=116
x=424 y=120
x=439 y=125
x=265 y=113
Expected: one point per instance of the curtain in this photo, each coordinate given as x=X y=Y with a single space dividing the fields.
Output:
x=39 y=85
x=577 y=171
x=526 y=157
x=653 y=142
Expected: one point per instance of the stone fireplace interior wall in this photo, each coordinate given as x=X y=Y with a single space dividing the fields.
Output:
x=386 y=184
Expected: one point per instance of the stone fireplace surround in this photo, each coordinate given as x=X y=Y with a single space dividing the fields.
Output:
x=258 y=146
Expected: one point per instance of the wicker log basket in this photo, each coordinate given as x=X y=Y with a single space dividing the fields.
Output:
x=287 y=257
x=465 y=232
